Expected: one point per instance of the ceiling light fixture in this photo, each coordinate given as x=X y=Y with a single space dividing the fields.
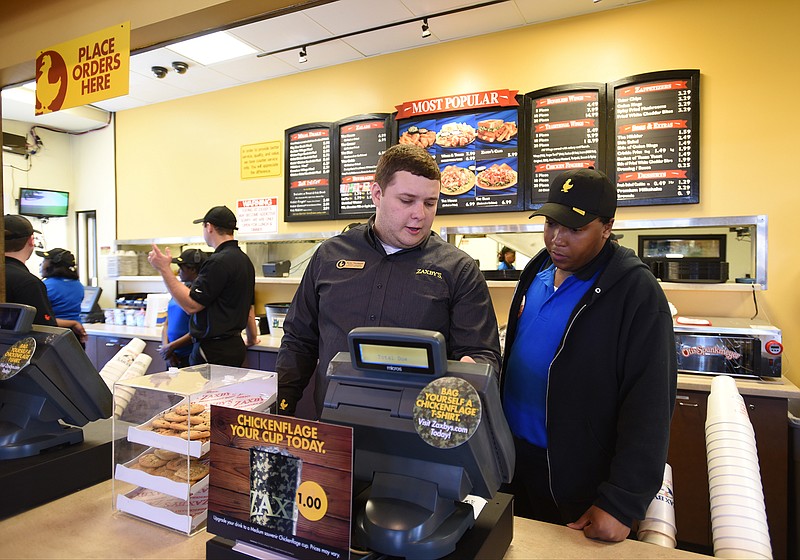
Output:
x=212 y=48
x=382 y=27
x=426 y=32
x=303 y=56
x=159 y=71
x=180 y=67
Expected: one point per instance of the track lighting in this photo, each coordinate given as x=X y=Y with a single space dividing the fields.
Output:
x=180 y=67
x=159 y=71
x=426 y=32
x=303 y=56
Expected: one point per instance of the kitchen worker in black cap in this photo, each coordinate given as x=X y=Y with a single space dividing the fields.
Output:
x=589 y=369
x=220 y=301
x=21 y=285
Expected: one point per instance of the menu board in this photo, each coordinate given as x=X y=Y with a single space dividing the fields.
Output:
x=360 y=142
x=567 y=131
x=655 y=131
x=478 y=155
x=308 y=172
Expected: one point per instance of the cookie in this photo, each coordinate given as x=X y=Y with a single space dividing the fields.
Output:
x=173 y=416
x=195 y=434
x=193 y=472
x=160 y=423
x=203 y=418
x=176 y=463
x=179 y=426
x=151 y=461
x=166 y=455
x=164 y=431
x=189 y=409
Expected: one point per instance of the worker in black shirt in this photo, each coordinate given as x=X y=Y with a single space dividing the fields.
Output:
x=220 y=300
x=21 y=285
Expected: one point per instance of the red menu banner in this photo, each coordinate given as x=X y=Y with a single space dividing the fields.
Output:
x=464 y=101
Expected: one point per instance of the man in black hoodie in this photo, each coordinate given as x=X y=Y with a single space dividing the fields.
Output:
x=589 y=372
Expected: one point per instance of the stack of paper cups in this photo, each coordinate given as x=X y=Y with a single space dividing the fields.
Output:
x=124 y=393
x=738 y=516
x=658 y=525
x=122 y=360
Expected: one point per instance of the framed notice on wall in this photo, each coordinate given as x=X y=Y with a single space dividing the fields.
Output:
x=309 y=174
x=566 y=131
x=654 y=126
x=358 y=143
x=477 y=149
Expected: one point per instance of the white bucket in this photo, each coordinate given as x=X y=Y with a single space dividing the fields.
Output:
x=276 y=313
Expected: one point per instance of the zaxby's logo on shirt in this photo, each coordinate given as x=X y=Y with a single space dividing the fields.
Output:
x=426 y=272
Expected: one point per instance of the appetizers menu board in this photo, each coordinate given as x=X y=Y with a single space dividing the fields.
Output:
x=654 y=128
x=567 y=131
x=308 y=172
x=478 y=155
x=361 y=141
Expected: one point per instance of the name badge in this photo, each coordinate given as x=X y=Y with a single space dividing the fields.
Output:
x=350 y=264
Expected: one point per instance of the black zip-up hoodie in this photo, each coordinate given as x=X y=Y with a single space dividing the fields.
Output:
x=611 y=388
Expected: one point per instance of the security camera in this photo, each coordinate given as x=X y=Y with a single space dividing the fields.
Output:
x=159 y=71
x=180 y=67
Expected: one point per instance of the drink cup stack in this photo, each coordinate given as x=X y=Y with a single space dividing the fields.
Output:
x=658 y=525
x=123 y=393
x=738 y=516
x=122 y=360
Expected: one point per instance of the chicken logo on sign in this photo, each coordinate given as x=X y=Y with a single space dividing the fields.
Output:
x=51 y=82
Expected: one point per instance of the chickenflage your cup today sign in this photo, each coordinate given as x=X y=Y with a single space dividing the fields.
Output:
x=84 y=70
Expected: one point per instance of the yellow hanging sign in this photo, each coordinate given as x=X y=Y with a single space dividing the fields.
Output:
x=85 y=70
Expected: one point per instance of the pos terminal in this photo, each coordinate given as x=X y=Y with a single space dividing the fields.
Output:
x=427 y=432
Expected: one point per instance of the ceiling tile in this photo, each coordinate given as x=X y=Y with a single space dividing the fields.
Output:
x=347 y=16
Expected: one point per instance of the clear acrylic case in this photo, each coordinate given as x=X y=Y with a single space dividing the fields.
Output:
x=162 y=428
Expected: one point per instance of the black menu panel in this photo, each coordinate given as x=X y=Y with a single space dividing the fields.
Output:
x=308 y=173
x=360 y=141
x=478 y=153
x=654 y=126
x=567 y=131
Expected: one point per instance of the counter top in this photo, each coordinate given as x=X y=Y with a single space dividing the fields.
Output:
x=779 y=387
x=267 y=343
x=83 y=525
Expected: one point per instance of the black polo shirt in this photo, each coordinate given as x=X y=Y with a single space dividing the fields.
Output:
x=24 y=287
x=226 y=287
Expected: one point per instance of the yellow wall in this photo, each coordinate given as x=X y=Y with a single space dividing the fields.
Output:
x=176 y=159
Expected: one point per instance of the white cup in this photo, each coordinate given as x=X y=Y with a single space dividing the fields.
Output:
x=654 y=537
x=737 y=452
x=732 y=461
x=737 y=490
x=736 y=500
x=741 y=481
x=746 y=429
x=747 y=471
x=740 y=548
x=739 y=516
x=658 y=525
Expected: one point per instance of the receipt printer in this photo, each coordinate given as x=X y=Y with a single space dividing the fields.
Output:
x=279 y=268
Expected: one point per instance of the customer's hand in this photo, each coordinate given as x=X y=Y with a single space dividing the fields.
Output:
x=601 y=525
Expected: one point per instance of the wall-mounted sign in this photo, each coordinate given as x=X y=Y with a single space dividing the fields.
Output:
x=85 y=70
x=478 y=150
x=567 y=131
x=654 y=126
x=257 y=215
x=260 y=160
x=360 y=141
x=309 y=174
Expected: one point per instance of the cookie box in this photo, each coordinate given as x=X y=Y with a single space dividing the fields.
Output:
x=187 y=516
x=132 y=472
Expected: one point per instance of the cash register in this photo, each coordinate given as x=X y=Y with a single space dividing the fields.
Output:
x=427 y=433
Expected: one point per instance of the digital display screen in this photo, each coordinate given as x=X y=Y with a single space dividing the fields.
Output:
x=403 y=356
x=43 y=203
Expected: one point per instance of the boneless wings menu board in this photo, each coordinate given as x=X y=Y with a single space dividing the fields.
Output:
x=655 y=130
x=308 y=172
x=478 y=155
x=361 y=141
x=567 y=131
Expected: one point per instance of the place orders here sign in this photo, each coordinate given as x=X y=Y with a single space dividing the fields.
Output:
x=84 y=70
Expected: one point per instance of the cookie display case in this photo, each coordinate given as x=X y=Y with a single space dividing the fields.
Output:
x=162 y=428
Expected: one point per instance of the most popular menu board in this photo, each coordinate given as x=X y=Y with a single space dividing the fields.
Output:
x=478 y=155
x=567 y=131
x=361 y=141
x=308 y=172
x=655 y=131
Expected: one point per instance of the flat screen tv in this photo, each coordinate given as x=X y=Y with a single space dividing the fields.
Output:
x=42 y=203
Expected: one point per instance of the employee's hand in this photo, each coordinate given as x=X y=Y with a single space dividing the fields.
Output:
x=76 y=327
x=252 y=341
x=160 y=261
x=165 y=350
x=600 y=525
x=467 y=359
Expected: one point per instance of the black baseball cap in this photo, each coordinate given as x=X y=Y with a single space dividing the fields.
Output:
x=58 y=256
x=192 y=257
x=578 y=196
x=18 y=227
x=220 y=216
